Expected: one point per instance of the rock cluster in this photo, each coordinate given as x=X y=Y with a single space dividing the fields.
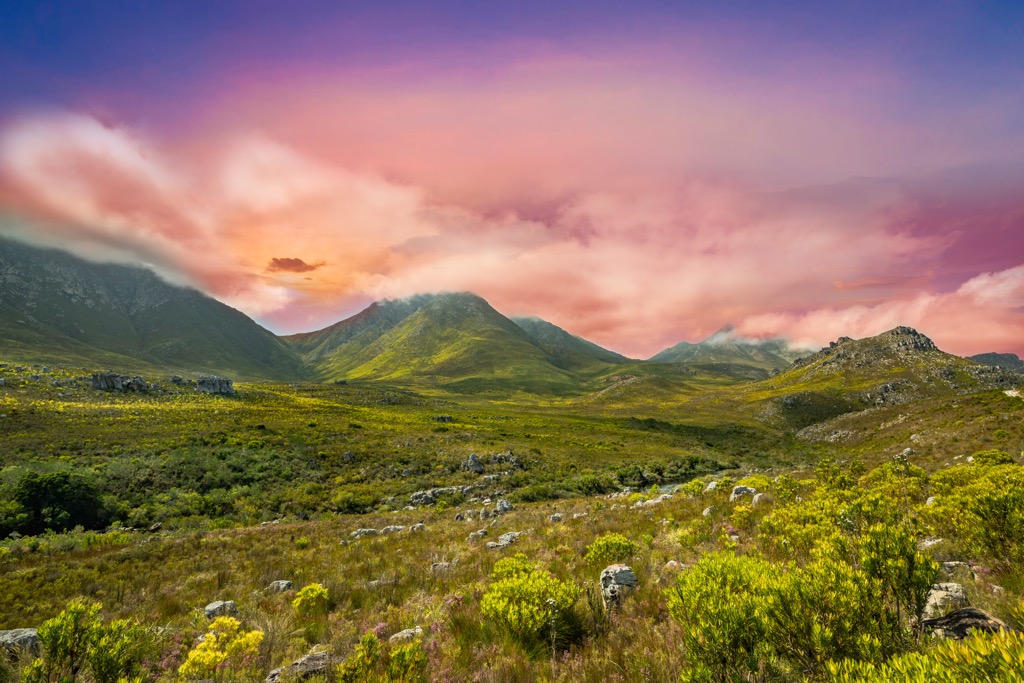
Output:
x=430 y=496
x=505 y=540
x=216 y=385
x=111 y=381
x=958 y=624
x=19 y=640
x=740 y=491
x=280 y=586
x=943 y=598
x=313 y=664
x=473 y=464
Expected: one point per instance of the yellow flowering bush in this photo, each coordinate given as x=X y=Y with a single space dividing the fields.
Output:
x=529 y=603
x=225 y=653
x=611 y=548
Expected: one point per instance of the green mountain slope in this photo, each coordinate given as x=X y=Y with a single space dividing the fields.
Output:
x=453 y=340
x=566 y=350
x=1010 y=361
x=54 y=306
x=723 y=348
x=896 y=367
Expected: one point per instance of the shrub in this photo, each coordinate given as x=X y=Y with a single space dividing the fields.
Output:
x=312 y=601
x=58 y=501
x=996 y=658
x=611 y=548
x=721 y=604
x=369 y=663
x=227 y=653
x=530 y=604
x=76 y=641
x=993 y=456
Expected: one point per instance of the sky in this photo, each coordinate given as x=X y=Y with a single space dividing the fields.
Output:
x=638 y=173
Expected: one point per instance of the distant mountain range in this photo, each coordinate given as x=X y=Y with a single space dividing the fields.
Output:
x=56 y=307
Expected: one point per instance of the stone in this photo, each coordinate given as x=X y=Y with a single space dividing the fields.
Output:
x=221 y=608
x=313 y=664
x=708 y=510
x=557 y=517
x=280 y=586
x=3 y=382
x=111 y=381
x=480 y=533
x=406 y=635
x=19 y=640
x=711 y=487
x=359 y=533
x=653 y=501
x=579 y=515
x=926 y=543
x=617 y=581
x=416 y=528
x=443 y=418
x=760 y=499
x=216 y=385
x=944 y=597
x=485 y=513
x=473 y=464
x=952 y=568
x=392 y=529
x=509 y=537
x=740 y=491
x=958 y=624
x=503 y=506
x=155 y=527
x=459 y=517
x=907 y=452
x=440 y=567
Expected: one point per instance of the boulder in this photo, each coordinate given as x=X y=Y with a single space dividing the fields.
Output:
x=708 y=510
x=503 y=506
x=557 y=517
x=760 y=499
x=473 y=464
x=392 y=529
x=19 y=640
x=406 y=635
x=740 y=491
x=216 y=385
x=944 y=597
x=711 y=487
x=359 y=533
x=280 y=586
x=440 y=567
x=653 y=501
x=417 y=527
x=953 y=567
x=111 y=381
x=221 y=608
x=958 y=624
x=314 y=664
x=617 y=581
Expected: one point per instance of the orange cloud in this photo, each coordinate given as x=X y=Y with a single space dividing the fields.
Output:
x=293 y=265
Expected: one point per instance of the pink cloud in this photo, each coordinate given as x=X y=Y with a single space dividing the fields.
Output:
x=635 y=264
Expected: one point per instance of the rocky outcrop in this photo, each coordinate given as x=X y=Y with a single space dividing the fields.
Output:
x=473 y=464
x=407 y=635
x=19 y=640
x=503 y=506
x=280 y=586
x=220 y=386
x=505 y=540
x=314 y=664
x=617 y=582
x=430 y=496
x=958 y=624
x=740 y=491
x=221 y=608
x=943 y=598
x=111 y=381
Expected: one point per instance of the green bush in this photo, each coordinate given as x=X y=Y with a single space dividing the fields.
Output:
x=611 y=548
x=76 y=641
x=721 y=604
x=993 y=658
x=370 y=663
x=530 y=604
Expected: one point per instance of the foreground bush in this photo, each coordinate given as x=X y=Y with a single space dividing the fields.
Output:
x=227 y=653
x=76 y=643
x=370 y=664
x=994 y=658
x=531 y=605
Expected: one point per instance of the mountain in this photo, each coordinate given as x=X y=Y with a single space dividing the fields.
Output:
x=566 y=350
x=724 y=347
x=56 y=306
x=1009 y=361
x=895 y=367
x=456 y=340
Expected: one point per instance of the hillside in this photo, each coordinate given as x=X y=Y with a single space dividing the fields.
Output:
x=455 y=340
x=726 y=349
x=56 y=306
x=1010 y=361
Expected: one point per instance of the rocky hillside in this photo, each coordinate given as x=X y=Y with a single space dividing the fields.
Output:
x=55 y=305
